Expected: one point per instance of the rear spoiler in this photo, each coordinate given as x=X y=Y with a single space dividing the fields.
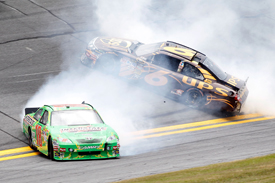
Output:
x=243 y=87
x=31 y=110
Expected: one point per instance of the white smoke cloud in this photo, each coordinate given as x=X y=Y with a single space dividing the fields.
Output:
x=237 y=35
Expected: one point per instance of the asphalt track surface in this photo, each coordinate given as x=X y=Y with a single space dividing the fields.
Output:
x=33 y=37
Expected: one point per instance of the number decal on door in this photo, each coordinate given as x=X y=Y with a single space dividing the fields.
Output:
x=156 y=78
x=38 y=135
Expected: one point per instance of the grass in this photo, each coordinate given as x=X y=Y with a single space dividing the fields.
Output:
x=259 y=169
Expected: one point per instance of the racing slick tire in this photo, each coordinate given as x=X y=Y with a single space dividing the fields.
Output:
x=30 y=139
x=50 y=149
x=108 y=64
x=193 y=98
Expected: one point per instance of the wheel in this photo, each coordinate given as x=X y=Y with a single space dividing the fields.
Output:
x=193 y=98
x=85 y=60
x=108 y=64
x=30 y=139
x=50 y=149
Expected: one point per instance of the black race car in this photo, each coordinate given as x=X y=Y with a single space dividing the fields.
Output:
x=173 y=69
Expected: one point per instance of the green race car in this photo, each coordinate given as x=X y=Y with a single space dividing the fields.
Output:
x=70 y=132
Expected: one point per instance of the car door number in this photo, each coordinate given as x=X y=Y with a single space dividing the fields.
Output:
x=156 y=78
x=38 y=135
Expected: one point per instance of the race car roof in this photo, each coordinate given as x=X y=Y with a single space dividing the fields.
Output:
x=60 y=107
x=179 y=50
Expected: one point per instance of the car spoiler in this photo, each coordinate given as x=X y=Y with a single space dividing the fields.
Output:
x=243 y=87
x=31 y=110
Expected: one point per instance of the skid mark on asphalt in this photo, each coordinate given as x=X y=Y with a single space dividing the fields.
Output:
x=168 y=130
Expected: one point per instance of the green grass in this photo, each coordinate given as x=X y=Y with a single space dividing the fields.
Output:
x=260 y=170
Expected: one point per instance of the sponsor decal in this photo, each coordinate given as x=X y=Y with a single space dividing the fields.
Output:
x=89 y=138
x=55 y=142
x=202 y=85
x=177 y=92
x=55 y=148
x=44 y=134
x=29 y=120
x=88 y=147
x=114 y=147
x=82 y=129
x=233 y=80
x=62 y=150
x=116 y=42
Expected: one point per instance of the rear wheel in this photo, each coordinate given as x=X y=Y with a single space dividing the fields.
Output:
x=193 y=98
x=50 y=149
x=30 y=139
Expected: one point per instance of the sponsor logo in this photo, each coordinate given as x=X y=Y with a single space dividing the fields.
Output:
x=29 y=120
x=177 y=92
x=55 y=148
x=89 y=147
x=62 y=149
x=82 y=129
x=114 y=147
x=89 y=138
x=233 y=80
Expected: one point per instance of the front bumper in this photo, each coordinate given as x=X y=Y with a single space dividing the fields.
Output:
x=86 y=155
x=86 y=151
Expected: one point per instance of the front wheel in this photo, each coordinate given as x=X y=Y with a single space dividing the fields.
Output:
x=108 y=64
x=193 y=98
x=85 y=60
x=50 y=149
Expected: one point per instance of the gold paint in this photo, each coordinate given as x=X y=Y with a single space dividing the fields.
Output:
x=192 y=83
x=232 y=80
x=209 y=77
x=221 y=92
x=181 y=51
x=204 y=85
x=208 y=81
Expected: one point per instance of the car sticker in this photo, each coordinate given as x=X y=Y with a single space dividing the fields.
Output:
x=82 y=129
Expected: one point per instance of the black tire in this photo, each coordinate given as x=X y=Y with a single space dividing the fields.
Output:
x=193 y=98
x=30 y=139
x=108 y=64
x=85 y=60
x=50 y=149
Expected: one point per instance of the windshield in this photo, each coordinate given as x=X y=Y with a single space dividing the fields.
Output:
x=75 y=117
x=147 y=48
x=215 y=69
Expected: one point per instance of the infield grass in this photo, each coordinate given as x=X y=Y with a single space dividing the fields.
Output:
x=259 y=169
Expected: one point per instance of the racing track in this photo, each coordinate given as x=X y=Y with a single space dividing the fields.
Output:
x=31 y=43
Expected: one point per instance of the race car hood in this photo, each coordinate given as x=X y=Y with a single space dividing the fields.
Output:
x=125 y=45
x=88 y=134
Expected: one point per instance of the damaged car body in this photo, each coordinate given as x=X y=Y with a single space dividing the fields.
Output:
x=175 y=70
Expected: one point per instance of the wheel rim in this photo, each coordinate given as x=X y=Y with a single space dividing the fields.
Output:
x=194 y=99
